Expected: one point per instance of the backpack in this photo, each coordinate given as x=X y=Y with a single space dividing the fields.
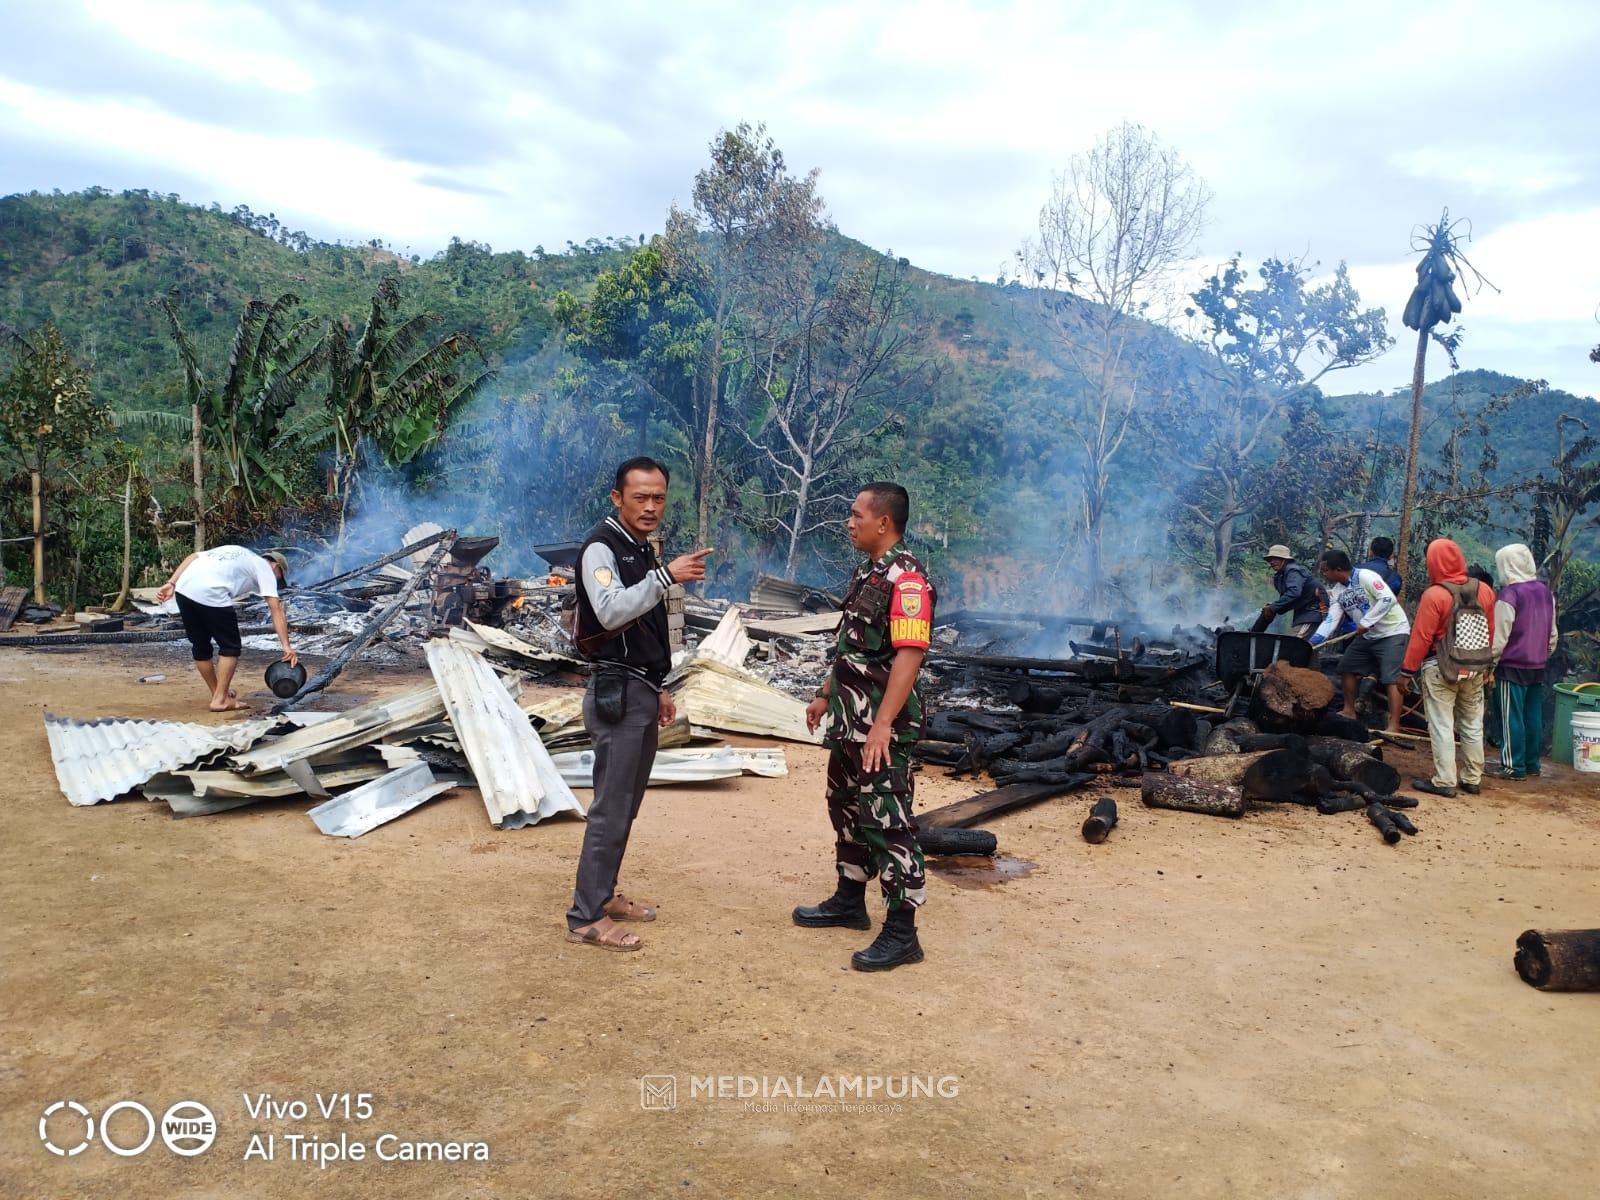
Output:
x=1466 y=644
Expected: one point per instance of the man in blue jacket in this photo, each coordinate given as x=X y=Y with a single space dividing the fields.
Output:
x=1382 y=561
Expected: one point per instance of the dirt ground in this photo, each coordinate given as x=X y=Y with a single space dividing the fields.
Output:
x=1279 y=1006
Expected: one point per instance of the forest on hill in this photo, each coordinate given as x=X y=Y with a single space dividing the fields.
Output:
x=1059 y=442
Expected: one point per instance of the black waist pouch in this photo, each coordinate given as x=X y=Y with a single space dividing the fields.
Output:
x=610 y=696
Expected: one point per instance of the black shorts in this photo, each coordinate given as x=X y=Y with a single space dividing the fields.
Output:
x=205 y=624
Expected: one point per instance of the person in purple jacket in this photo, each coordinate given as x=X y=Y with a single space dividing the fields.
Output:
x=1524 y=638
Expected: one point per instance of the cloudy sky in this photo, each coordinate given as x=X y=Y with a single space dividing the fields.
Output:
x=1328 y=129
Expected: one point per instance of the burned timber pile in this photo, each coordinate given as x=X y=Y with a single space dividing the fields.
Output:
x=1212 y=721
x=1126 y=711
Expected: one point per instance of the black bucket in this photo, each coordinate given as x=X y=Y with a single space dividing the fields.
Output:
x=285 y=680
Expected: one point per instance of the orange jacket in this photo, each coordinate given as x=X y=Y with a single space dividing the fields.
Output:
x=1446 y=564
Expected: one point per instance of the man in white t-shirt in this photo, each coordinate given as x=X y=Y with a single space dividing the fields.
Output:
x=1382 y=631
x=206 y=584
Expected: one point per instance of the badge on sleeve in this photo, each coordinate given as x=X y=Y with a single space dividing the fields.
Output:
x=603 y=576
x=910 y=622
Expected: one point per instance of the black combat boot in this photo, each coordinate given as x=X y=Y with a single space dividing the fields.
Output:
x=846 y=907
x=896 y=943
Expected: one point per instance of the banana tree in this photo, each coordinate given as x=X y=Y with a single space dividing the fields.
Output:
x=271 y=361
x=391 y=389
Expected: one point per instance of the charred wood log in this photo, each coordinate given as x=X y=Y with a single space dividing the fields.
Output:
x=1033 y=697
x=1353 y=761
x=1224 y=738
x=1560 y=960
x=1273 y=741
x=1049 y=772
x=1177 y=728
x=1345 y=795
x=1293 y=696
x=944 y=753
x=1383 y=820
x=1336 y=725
x=1160 y=789
x=1218 y=768
x=1054 y=746
x=1340 y=802
x=993 y=802
x=1102 y=819
x=1403 y=821
x=940 y=840
x=1279 y=775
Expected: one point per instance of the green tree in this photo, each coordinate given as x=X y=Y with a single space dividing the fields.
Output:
x=640 y=339
x=749 y=215
x=272 y=360
x=47 y=413
x=1562 y=502
x=1267 y=346
x=391 y=387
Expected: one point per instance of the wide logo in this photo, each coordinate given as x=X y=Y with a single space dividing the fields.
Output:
x=187 y=1128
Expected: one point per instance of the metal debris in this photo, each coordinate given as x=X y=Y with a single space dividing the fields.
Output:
x=520 y=784
x=101 y=759
x=366 y=723
x=731 y=699
x=685 y=765
x=373 y=804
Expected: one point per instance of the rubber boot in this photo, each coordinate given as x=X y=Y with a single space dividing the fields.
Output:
x=896 y=943
x=847 y=907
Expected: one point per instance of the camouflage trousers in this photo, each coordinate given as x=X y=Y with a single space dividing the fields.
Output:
x=872 y=824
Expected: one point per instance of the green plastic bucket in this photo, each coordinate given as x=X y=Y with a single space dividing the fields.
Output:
x=1571 y=698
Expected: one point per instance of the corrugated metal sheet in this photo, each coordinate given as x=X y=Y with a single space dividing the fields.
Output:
x=520 y=784
x=683 y=766
x=509 y=643
x=733 y=700
x=727 y=643
x=105 y=758
x=775 y=594
x=359 y=726
x=375 y=803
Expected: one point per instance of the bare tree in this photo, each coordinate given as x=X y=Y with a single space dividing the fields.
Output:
x=828 y=371
x=748 y=212
x=1113 y=233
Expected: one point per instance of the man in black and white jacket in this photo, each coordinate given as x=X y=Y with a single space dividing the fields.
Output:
x=621 y=627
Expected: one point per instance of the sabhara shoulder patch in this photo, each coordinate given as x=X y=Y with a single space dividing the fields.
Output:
x=910 y=612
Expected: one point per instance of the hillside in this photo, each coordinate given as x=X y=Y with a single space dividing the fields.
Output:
x=92 y=262
x=989 y=453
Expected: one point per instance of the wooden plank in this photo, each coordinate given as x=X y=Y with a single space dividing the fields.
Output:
x=11 y=599
x=964 y=813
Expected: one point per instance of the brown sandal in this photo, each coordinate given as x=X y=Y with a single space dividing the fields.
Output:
x=608 y=938
x=620 y=908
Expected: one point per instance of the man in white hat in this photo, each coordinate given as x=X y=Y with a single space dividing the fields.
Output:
x=1297 y=595
x=206 y=584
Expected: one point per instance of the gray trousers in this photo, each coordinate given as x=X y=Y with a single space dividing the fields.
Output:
x=623 y=755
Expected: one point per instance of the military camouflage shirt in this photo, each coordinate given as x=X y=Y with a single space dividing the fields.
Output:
x=889 y=605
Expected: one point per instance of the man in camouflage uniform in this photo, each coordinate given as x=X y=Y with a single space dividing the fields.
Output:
x=873 y=709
